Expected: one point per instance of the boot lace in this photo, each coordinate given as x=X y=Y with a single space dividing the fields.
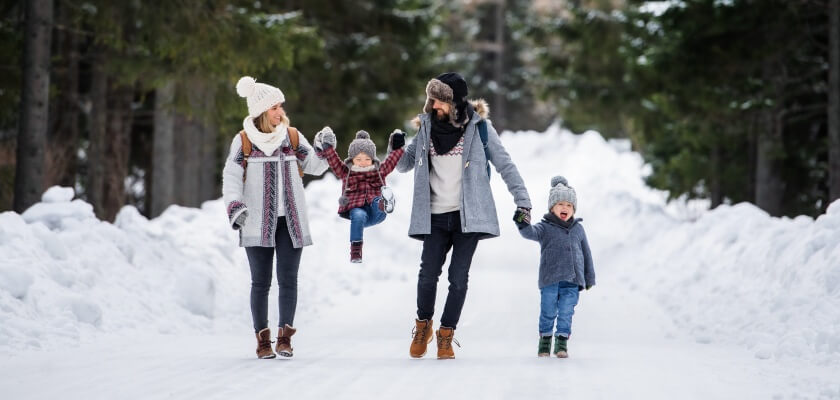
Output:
x=419 y=337
x=284 y=340
x=446 y=341
x=264 y=344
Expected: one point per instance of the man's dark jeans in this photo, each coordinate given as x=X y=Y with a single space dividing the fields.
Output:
x=261 y=262
x=445 y=235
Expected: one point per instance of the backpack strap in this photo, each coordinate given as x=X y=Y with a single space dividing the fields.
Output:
x=246 y=152
x=295 y=141
x=247 y=147
x=482 y=133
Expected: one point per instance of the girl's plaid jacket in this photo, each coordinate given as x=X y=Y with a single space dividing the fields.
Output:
x=360 y=188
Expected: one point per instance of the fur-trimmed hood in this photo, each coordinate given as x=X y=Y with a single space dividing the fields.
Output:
x=480 y=105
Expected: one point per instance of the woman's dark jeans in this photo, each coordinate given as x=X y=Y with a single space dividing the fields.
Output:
x=261 y=262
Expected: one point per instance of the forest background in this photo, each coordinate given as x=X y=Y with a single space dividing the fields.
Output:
x=133 y=102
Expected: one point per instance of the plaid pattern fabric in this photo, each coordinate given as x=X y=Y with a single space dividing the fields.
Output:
x=361 y=187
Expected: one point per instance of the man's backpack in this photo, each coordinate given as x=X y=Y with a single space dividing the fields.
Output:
x=247 y=147
x=482 y=133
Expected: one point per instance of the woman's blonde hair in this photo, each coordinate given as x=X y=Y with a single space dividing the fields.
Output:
x=264 y=125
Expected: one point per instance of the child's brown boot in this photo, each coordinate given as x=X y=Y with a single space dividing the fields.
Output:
x=356 y=252
x=284 y=341
x=264 y=344
x=422 y=337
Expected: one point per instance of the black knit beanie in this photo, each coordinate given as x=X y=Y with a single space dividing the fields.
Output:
x=458 y=85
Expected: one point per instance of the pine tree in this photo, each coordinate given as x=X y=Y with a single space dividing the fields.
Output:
x=32 y=137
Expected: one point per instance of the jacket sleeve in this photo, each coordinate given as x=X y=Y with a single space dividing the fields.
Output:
x=338 y=167
x=532 y=232
x=500 y=159
x=391 y=161
x=588 y=264
x=312 y=164
x=406 y=162
x=232 y=184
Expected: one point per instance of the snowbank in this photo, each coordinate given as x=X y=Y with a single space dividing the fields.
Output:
x=730 y=275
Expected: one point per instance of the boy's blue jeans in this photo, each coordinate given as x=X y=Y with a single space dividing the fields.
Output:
x=363 y=217
x=557 y=302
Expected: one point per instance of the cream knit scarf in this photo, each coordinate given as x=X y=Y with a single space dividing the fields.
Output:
x=266 y=142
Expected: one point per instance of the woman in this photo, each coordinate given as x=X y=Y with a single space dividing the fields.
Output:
x=263 y=191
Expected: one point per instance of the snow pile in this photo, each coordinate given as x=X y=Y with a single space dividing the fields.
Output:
x=730 y=275
x=733 y=275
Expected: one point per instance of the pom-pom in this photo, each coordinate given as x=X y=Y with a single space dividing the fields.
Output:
x=245 y=86
x=362 y=135
x=559 y=179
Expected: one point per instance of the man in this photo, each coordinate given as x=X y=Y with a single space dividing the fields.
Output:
x=453 y=206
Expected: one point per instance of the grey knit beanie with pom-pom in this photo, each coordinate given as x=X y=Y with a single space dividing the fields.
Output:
x=561 y=191
x=362 y=144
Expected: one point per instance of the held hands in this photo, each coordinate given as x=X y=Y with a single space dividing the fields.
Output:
x=324 y=139
x=397 y=139
x=522 y=217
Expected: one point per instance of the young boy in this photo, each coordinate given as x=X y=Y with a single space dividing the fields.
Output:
x=565 y=264
x=362 y=177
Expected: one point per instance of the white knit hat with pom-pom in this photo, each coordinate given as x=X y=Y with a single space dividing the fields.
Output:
x=260 y=96
x=561 y=191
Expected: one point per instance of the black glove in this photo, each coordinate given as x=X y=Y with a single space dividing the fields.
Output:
x=397 y=139
x=522 y=217
x=588 y=287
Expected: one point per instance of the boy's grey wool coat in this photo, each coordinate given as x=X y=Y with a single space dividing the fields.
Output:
x=564 y=253
x=478 y=210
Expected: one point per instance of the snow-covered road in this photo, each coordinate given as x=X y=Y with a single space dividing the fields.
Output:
x=358 y=348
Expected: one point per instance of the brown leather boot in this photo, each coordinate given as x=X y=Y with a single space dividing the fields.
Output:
x=284 y=341
x=264 y=344
x=356 y=252
x=445 y=336
x=422 y=336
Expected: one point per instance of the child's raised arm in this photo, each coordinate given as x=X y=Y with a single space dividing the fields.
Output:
x=325 y=148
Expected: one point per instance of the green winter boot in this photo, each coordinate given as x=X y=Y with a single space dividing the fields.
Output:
x=545 y=346
x=560 y=349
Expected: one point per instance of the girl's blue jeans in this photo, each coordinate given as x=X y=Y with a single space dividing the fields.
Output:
x=363 y=217
x=557 y=303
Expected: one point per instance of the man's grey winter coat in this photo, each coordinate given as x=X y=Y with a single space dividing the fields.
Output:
x=564 y=253
x=478 y=210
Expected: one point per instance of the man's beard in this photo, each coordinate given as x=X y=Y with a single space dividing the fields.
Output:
x=441 y=115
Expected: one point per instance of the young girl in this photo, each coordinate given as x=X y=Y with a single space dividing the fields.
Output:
x=362 y=177
x=263 y=191
x=565 y=264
